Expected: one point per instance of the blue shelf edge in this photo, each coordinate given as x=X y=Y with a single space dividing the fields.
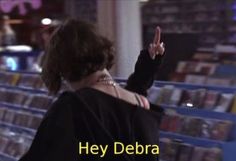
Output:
x=7 y=157
x=228 y=148
x=20 y=53
x=205 y=114
x=17 y=128
x=224 y=89
x=193 y=140
x=19 y=107
x=201 y=112
x=22 y=72
x=26 y=89
x=229 y=151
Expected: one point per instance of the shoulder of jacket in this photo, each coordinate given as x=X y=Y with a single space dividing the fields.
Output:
x=63 y=103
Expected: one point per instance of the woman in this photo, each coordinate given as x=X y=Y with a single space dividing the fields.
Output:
x=97 y=111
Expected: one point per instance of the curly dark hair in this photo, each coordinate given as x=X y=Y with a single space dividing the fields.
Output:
x=75 y=51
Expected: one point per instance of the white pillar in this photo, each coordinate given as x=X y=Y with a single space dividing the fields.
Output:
x=128 y=35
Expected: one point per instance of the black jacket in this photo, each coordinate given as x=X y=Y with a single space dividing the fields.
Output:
x=144 y=73
x=92 y=116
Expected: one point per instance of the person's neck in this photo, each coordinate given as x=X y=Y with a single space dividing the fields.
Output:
x=90 y=80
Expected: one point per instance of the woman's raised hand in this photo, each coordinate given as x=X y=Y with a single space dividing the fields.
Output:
x=156 y=48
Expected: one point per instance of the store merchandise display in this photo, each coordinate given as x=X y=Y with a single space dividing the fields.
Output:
x=197 y=126
x=207 y=19
x=31 y=81
x=9 y=78
x=201 y=116
x=200 y=98
x=198 y=120
x=204 y=72
x=18 y=59
x=39 y=101
x=26 y=80
x=176 y=150
x=23 y=103
x=13 y=144
x=20 y=118
x=216 y=66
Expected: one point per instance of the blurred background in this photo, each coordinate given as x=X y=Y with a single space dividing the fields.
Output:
x=196 y=83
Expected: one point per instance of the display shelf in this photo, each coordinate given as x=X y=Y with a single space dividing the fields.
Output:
x=28 y=134
x=18 y=128
x=187 y=14
x=174 y=2
x=193 y=111
x=25 y=89
x=207 y=50
x=188 y=22
x=204 y=114
x=223 y=89
x=163 y=13
x=23 y=56
x=228 y=148
x=20 y=54
x=23 y=108
x=192 y=140
x=203 y=10
x=5 y=157
x=22 y=72
x=23 y=81
x=31 y=116
x=225 y=70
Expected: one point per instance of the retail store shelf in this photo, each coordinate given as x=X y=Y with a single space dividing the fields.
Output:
x=22 y=72
x=20 y=107
x=26 y=89
x=228 y=148
x=21 y=56
x=201 y=112
x=193 y=140
x=224 y=89
x=18 y=128
x=5 y=157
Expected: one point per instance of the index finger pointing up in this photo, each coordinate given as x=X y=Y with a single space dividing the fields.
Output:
x=157 y=37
